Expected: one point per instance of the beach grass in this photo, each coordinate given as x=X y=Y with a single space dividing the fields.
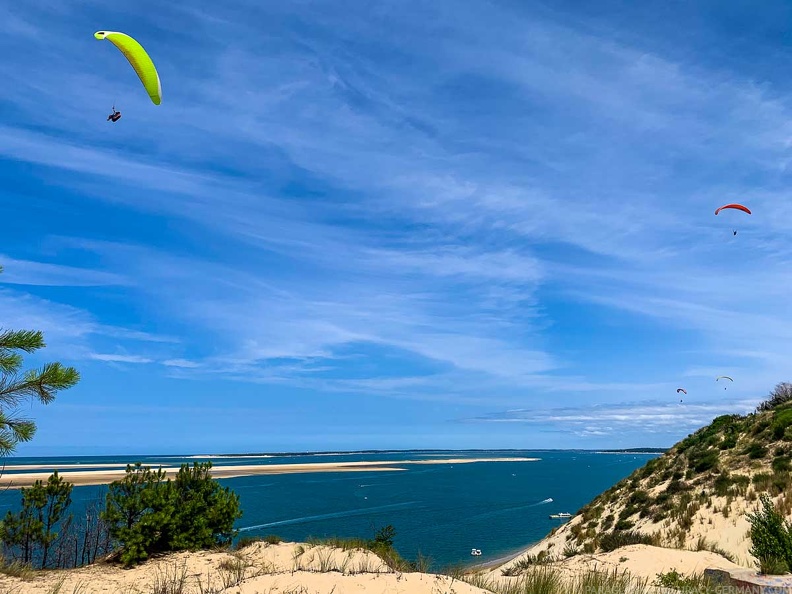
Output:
x=545 y=579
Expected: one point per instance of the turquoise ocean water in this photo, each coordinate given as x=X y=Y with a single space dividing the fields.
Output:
x=441 y=510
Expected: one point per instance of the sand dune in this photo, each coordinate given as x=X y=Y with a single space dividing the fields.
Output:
x=640 y=561
x=259 y=568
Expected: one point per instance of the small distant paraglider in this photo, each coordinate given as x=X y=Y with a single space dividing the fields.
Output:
x=735 y=207
x=720 y=377
x=141 y=63
x=683 y=391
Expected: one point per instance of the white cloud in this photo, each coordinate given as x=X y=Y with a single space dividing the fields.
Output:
x=181 y=363
x=117 y=358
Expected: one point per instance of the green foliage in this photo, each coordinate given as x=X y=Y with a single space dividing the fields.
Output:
x=617 y=539
x=678 y=581
x=728 y=443
x=756 y=450
x=654 y=465
x=624 y=525
x=382 y=546
x=781 y=464
x=702 y=460
x=677 y=486
x=30 y=532
x=638 y=497
x=246 y=541
x=722 y=484
x=149 y=515
x=760 y=426
x=205 y=512
x=771 y=537
x=17 y=386
x=781 y=420
x=385 y=536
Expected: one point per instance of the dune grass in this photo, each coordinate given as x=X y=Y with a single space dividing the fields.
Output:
x=545 y=579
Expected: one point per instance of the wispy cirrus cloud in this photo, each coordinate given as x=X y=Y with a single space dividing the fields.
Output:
x=26 y=272
x=609 y=419
x=477 y=204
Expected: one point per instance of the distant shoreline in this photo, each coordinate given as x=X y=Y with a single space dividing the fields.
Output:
x=103 y=477
x=339 y=453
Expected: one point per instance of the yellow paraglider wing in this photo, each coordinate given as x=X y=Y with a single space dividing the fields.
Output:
x=139 y=59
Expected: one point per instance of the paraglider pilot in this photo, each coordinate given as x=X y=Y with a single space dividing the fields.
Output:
x=115 y=116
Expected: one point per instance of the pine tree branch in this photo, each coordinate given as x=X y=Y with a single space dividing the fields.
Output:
x=23 y=340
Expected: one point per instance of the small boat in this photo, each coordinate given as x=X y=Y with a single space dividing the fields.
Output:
x=475 y=552
x=561 y=515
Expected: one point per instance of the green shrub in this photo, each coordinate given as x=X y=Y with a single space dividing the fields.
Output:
x=628 y=511
x=781 y=420
x=148 y=515
x=760 y=426
x=614 y=540
x=650 y=467
x=771 y=537
x=677 y=581
x=31 y=532
x=677 y=487
x=246 y=541
x=722 y=484
x=384 y=537
x=638 y=497
x=729 y=442
x=570 y=551
x=781 y=464
x=701 y=461
x=624 y=525
x=756 y=451
x=780 y=482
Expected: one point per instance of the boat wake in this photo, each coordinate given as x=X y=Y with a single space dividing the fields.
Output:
x=511 y=509
x=343 y=514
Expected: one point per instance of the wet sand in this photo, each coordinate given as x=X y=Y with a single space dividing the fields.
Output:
x=103 y=477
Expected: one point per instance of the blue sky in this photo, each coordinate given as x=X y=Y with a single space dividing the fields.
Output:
x=397 y=224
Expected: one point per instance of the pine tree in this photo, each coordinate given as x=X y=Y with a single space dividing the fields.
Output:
x=17 y=386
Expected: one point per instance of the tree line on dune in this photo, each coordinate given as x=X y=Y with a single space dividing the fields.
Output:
x=144 y=514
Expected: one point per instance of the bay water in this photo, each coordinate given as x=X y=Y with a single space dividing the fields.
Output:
x=442 y=510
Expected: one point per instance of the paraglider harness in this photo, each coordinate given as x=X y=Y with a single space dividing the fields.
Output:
x=115 y=116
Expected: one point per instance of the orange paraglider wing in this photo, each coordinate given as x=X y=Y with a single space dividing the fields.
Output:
x=735 y=206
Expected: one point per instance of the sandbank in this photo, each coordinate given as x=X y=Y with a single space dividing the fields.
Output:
x=102 y=477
